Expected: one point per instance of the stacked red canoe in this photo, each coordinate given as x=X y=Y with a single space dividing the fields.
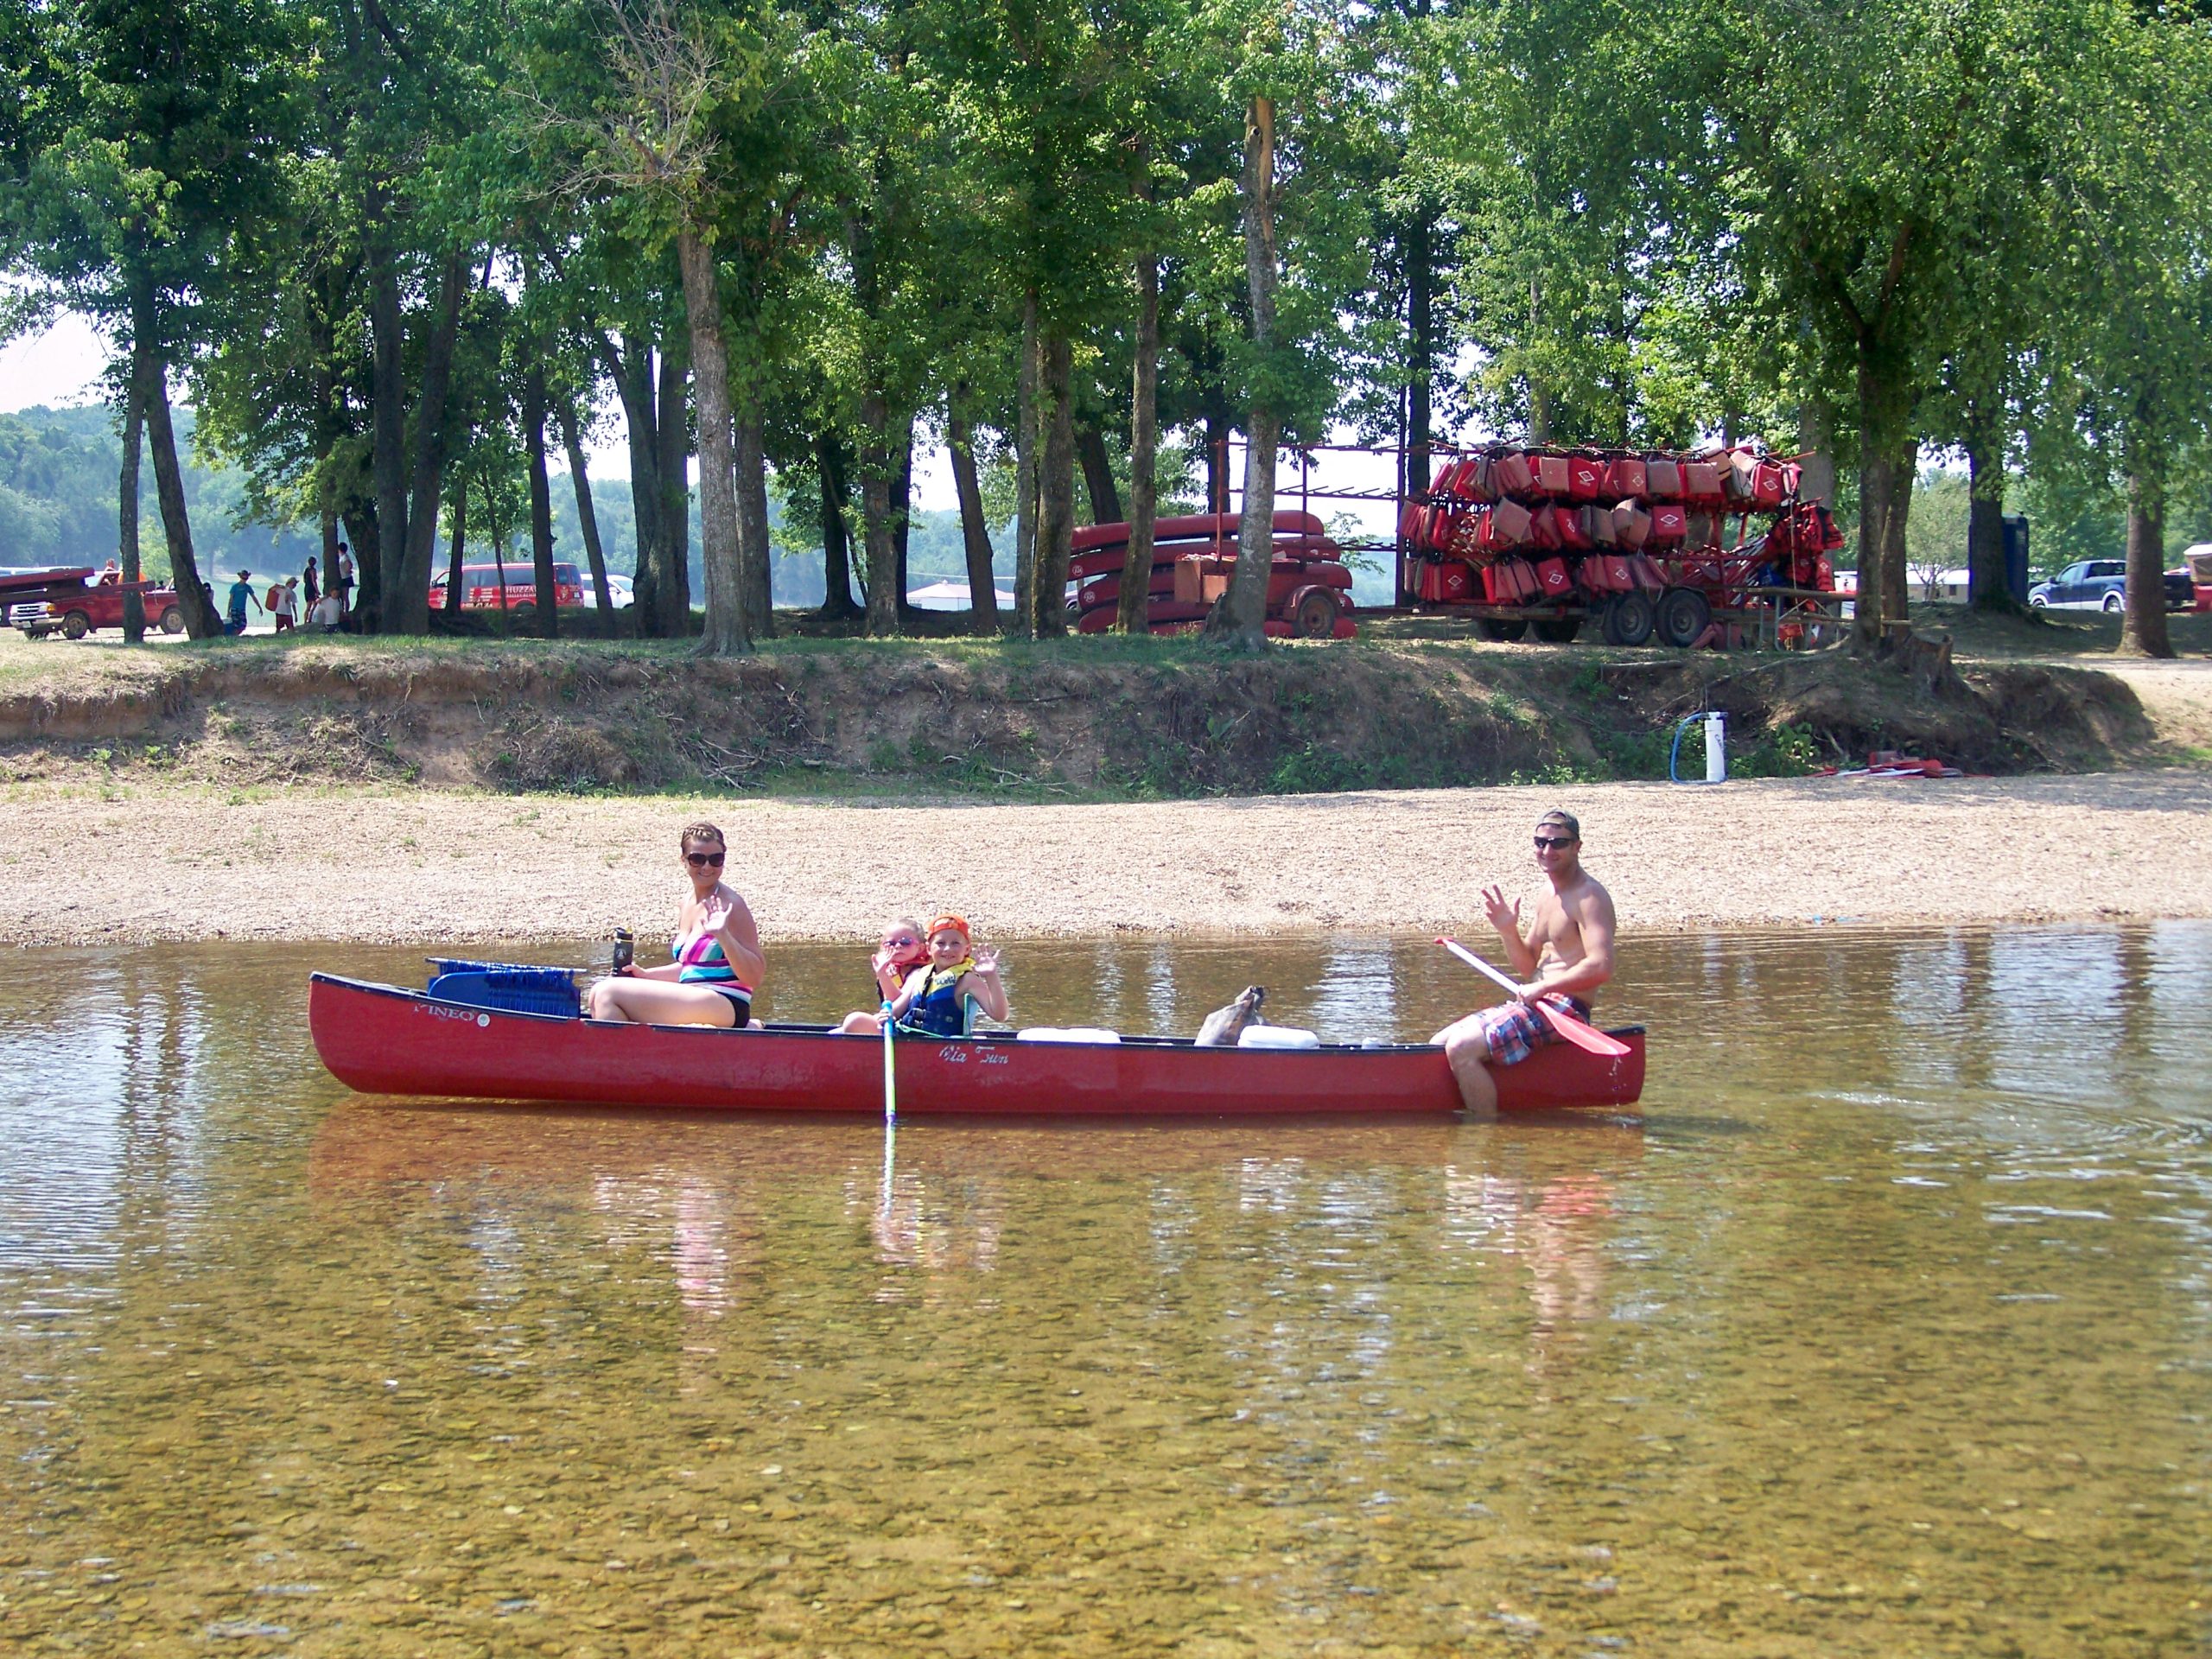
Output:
x=1309 y=588
x=1615 y=533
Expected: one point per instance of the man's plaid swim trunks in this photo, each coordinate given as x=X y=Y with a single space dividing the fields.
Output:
x=1514 y=1030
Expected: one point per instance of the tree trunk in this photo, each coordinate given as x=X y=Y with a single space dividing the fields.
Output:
x=1985 y=513
x=1884 y=490
x=975 y=532
x=1055 y=486
x=388 y=430
x=875 y=517
x=1420 y=340
x=1098 y=476
x=1133 y=616
x=200 y=618
x=456 y=550
x=2143 y=623
x=1024 y=476
x=837 y=603
x=126 y=496
x=406 y=607
x=633 y=369
x=672 y=456
x=1241 y=616
x=1540 y=396
x=194 y=598
x=756 y=588
x=1897 y=574
x=726 y=635
x=1816 y=440
x=902 y=517
x=587 y=515
x=1217 y=463
x=366 y=552
x=541 y=494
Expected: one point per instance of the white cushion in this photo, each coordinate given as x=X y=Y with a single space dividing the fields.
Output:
x=1276 y=1037
x=1067 y=1035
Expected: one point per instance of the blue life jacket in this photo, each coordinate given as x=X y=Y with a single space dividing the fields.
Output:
x=936 y=1009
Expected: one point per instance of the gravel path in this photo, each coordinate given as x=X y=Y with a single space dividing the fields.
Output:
x=401 y=867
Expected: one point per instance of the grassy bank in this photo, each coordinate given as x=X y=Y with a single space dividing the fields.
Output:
x=1405 y=706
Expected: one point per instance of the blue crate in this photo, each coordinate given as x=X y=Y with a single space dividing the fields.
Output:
x=512 y=987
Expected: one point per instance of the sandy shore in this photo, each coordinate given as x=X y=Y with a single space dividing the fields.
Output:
x=403 y=866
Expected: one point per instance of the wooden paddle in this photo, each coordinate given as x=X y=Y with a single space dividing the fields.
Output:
x=1579 y=1032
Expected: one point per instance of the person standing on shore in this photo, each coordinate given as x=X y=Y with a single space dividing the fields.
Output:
x=1565 y=955
x=310 y=584
x=341 y=578
x=241 y=596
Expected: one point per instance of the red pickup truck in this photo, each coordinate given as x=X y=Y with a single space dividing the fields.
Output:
x=75 y=602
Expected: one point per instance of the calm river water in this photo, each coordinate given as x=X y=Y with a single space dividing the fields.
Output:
x=1883 y=1330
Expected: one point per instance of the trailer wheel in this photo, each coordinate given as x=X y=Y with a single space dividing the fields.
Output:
x=172 y=621
x=1684 y=615
x=1314 y=616
x=1503 y=630
x=1559 y=630
x=76 y=625
x=1628 y=620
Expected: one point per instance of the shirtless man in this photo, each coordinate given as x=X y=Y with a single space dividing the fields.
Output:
x=1566 y=954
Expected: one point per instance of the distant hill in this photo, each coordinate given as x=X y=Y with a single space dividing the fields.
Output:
x=58 y=501
x=58 y=506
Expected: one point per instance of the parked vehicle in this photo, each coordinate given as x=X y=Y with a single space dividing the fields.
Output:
x=619 y=592
x=75 y=602
x=2101 y=585
x=509 y=587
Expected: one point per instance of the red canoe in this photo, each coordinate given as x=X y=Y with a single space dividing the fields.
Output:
x=383 y=1040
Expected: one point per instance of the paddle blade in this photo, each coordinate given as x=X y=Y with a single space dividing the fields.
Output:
x=1581 y=1033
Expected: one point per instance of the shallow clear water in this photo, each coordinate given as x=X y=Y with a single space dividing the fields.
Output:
x=1883 y=1330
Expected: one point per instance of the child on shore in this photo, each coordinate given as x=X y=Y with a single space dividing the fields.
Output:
x=930 y=1002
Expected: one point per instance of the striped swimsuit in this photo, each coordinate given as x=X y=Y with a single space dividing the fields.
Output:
x=703 y=963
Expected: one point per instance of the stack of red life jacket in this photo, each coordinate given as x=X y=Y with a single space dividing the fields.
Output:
x=1518 y=526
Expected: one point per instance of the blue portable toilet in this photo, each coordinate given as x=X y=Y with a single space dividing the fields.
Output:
x=2016 y=561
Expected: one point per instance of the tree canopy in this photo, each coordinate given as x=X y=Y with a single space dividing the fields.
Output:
x=393 y=253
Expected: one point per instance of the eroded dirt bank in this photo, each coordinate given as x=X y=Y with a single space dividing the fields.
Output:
x=173 y=861
x=1095 y=719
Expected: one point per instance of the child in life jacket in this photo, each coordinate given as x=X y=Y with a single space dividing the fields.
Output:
x=929 y=1003
x=904 y=948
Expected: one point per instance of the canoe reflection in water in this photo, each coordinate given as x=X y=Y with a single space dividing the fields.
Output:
x=720 y=1200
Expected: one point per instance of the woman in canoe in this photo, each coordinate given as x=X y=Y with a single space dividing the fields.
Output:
x=717 y=965
x=930 y=1003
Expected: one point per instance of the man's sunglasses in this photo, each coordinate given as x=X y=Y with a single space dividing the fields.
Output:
x=1543 y=843
x=705 y=860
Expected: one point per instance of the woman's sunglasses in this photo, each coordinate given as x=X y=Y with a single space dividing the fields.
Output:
x=705 y=860
x=907 y=943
